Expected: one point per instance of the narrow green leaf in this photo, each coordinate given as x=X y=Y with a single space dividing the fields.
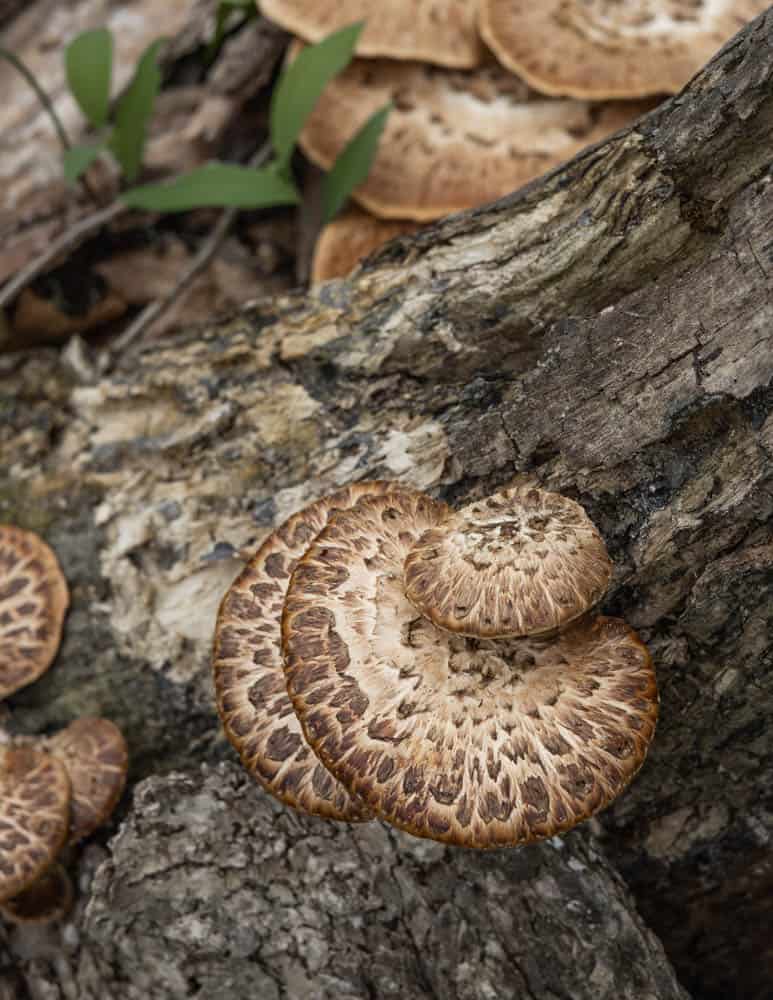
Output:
x=301 y=84
x=215 y=185
x=78 y=159
x=353 y=164
x=134 y=111
x=88 y=61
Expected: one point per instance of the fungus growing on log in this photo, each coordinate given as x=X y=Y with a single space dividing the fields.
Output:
x=33 y=601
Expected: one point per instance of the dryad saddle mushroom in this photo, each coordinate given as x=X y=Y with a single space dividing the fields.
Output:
x=475 y=737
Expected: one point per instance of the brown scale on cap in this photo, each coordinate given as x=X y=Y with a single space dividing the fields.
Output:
x=33 y=602
x=474 y=742
x=521 y=562
x=49 y=898
x=603 y=48
x=453 y=140
x=34 y=814
x=250 y=689
x=95 y=755
x=434 y=31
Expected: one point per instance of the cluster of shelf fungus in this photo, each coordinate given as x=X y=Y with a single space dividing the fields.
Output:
x=56 y=789
x=384 y=656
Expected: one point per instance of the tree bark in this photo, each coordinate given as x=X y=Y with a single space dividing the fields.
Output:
x=605 y=331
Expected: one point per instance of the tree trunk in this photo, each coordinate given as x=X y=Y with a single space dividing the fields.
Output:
x=605 y=331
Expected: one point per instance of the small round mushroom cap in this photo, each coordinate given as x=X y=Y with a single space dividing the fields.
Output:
x=521 y=562
x=33 y=602
x=249 y=680
x=601 y=49
x=49 y=898
x=343 y=243
x=453 y=140
x=434 y=31
x=96 y=757
x=474 y=742
x=34 y=813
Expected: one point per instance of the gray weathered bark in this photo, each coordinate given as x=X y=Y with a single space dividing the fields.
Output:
x=606 y=331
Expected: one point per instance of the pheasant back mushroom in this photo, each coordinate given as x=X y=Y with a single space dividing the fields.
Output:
x=435 y=31
x=34 y=815
x=453 y=140
x=520 y=562
x=33 y=601
x=598 y=49
x=95 y=755
x=250 y=688
x=48 y=898
x=474 y=742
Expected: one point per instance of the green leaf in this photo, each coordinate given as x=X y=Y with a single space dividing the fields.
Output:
x=134 y=112
x=353 y=164
x=88 y=61
x=215 y=185
x=78 y=159
x=301 y=84
x=222 y=16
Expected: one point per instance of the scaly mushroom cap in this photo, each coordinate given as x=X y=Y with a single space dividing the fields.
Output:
x=474 y=742
x=49 y=898
x=521 y=562
x=33 y=602
x=34 y=812
x=250 y=688
x=453 y=140
x=433 y=31
x=95 y=755
x=343 y=243
x=603 y=48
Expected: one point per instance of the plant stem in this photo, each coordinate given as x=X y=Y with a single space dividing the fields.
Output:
x=42 y=96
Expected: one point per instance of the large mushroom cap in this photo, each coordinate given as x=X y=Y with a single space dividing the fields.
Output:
x=34 y=812
x=343 y=243
x=601 y=49
x=434 y=31
x=96 y=757
x=475 y=742
x=250 y=688
x=521 y=562
x=49 y=898
x=33 y=602
x=453 y=140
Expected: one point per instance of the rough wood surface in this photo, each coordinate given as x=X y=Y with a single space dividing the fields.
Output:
x=606 y=331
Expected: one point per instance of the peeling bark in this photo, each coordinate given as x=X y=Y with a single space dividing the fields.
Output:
x=605 y=331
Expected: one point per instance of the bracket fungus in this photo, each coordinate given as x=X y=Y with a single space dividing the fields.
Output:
x=48 y=898
x=436 y=31
x=453 y=139
x=479 y=743
x=345 y=241
x=521 y=562
x=33 y=601
x=250 y=689
x=346 y=701
x=600 y=49
x=34 y=815
x=95 y=755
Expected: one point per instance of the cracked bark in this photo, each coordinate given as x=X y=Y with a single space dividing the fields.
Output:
x=606 y=331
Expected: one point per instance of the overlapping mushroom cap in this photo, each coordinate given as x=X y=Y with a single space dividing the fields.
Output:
x=95 y=755
x=521 y=562
x=436 y=31
x=33 y=602
x=603 y=48
x=48 y=898
x=453 y=140
x=34 y=815
x=475 y=742
x=250 y=689
x=344 y=242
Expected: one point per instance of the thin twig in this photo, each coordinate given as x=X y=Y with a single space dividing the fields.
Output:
x=42 y=96
x=207 y=251
x=75 y=235
x=48 y=106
